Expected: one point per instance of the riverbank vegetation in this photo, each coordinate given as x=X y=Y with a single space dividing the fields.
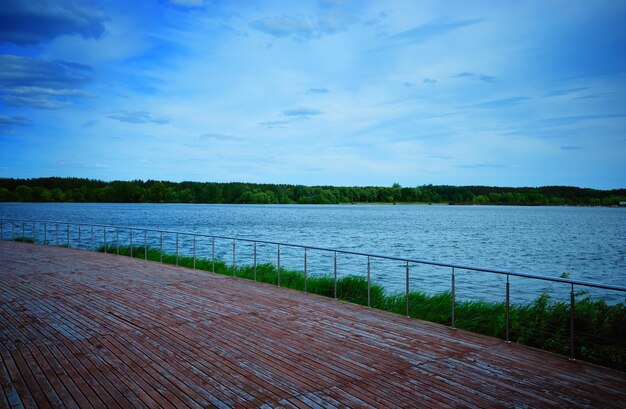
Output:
x=600 y=329
x=55 y=189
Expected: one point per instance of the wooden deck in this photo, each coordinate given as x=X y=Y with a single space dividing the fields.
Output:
x=83 y=329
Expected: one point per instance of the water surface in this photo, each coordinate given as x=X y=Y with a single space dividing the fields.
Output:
x=584 y=243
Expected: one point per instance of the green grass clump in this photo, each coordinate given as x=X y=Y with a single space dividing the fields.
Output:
x=600 y=329
x=24 y=239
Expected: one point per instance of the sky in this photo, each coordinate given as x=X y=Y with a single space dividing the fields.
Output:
x=502 y=93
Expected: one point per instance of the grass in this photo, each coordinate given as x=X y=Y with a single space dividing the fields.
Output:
x=600 y=329
x=24 y=239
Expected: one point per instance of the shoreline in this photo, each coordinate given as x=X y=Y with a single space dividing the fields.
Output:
x=334 y=204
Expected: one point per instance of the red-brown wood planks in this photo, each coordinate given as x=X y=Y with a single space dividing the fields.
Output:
x=83 y=329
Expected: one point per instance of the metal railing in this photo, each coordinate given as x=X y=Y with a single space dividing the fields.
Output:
x=91 y=230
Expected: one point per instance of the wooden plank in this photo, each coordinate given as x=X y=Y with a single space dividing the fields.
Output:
x=60 y=373
x=19 y=383
x=86 y=371
x=196 y=368
x=165 y=374
x=177 y=369
x=10 y=396
x=123 y=378
x=41 y=376
x=129 y=373
x=63 y=365
x=248 y=386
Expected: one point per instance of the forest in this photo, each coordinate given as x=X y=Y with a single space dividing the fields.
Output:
x=57 y=189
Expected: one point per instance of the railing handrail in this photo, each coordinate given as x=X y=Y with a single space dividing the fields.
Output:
x=349 y=252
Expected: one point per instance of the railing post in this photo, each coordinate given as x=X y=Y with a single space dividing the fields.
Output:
x=12 y=230
x=194 y=251
x=452 y=298
x=57 y=235
x=131 y=243
x=213 y=255
x=305 y=266
x=369 y=303
x=117 y=240
x=23 y=230
x=79 y=236
x=234 y=258
x=91 y=242
x=571 y=317
x=34 y=233
x=255 y=261
x=335 y=275
x=407 y=289
x=278 y=269
x=145 y=245
x=161 y=248
x=176 y=248
x=507 y=310
x=68 y=235
x=104 y=230
x=45 y=233
x=1 y=236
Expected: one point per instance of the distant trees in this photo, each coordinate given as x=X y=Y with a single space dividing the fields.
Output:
x=153 y=191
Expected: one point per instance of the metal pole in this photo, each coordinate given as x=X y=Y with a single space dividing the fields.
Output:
x=57 y=234
x=369 y=304
x=117 y=240
x=131 y=243
x=507 y=311
x=161 y=248
x=407 y=289
x=145 y=245
x=571 y=317
x=335 y=275
x=105 y=240
x=213 y=255
x=91 y=242
x=305 y=270
x=278 y=269
x=34 y=233
x=452 y=297
x=1 y=236
x=79 y=236
x=23 y=231
x=12 y=231
x=45 y=233
x=234 y=262
x=176 y=248
x=68 y=235
x=194 y=252
x=255 y=261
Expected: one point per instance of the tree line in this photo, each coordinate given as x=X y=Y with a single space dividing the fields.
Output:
x=56 y=189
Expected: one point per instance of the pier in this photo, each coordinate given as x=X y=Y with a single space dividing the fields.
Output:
x=86 y=329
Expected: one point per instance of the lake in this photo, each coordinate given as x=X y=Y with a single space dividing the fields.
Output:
x=586 y=243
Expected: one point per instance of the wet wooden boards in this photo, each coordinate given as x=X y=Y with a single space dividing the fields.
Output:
x=84 y=329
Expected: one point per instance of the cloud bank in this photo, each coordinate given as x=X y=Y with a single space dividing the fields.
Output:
x=28 y=82
x=27 y=22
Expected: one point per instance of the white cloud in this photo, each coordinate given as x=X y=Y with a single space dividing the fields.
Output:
x=137 y=117
x=189 y=3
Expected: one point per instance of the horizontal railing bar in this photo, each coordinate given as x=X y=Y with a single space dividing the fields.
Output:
x=354 y=253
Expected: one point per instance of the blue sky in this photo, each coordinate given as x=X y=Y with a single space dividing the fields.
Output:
x=333 y=92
